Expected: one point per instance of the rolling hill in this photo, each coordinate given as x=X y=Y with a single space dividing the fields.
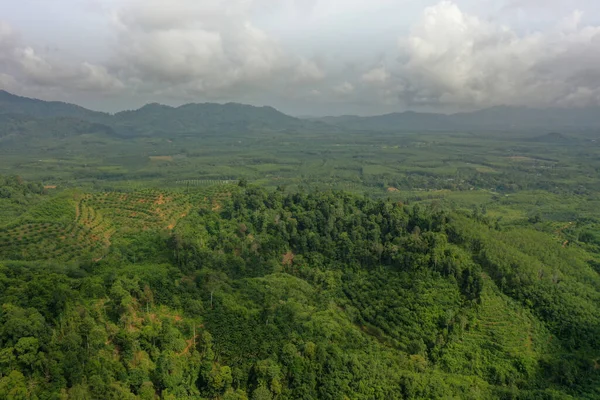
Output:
x=240 y=119
x=500 y=118
x=150 y=120
x=13 y=104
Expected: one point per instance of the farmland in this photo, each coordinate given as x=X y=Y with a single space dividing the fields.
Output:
x=82 y=225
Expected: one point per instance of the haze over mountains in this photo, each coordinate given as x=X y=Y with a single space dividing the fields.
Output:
x=21 y=115
x=494 y=118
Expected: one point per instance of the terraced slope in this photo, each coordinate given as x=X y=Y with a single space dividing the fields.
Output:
x=503 y=342
x=82 y=225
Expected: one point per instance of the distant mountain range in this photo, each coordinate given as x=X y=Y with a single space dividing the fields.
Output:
x=22 y=115
x=18 y=115
x=490 y=119
x=12 y=104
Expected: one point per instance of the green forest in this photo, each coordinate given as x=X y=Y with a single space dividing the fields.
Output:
x=272 y=294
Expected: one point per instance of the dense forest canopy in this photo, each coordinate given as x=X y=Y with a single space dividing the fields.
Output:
x=271 y=294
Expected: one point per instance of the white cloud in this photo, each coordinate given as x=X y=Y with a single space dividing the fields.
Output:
x=26 y=67
x=344 y=89
x=376 y=76
x=318 y=52
x=205 y=47
x=308 y=71
x=460 y=59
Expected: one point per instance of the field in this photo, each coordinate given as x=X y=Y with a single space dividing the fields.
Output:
x=506 y=176
x=83 y=225
x=353 y=161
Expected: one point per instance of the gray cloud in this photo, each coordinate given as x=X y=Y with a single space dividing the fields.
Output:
x=198 y=44
x=288 y=54
x=462 y=60
x=344 y=89
x=376 y=76
x=24 y=66
x=203 y=48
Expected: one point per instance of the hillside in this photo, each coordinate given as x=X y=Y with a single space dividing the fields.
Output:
x=233 y=119
x=23 y=127
x=12 y=104
x=501 y=118
x=210 y=118
x=234 y=292
x=31 y=117
x=406 y=121
x=554 y=137
x=75 y=225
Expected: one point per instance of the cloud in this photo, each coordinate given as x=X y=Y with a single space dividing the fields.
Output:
x=376 y=76
x=308 y=71
x=312 y=53
x=26 y=67
x=46 y=72
x=459 y=59
x=181 y=50
x=344 y=89
x=201 y=47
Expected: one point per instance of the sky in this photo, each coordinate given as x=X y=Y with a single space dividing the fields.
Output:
x=304 y=57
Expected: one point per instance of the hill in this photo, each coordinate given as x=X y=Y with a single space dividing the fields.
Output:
x=406 y=121
x=554 y=137
x=235 y=292
x=239 y=119
x=20 y=127
x=151 y=120
x=13 y=104
x=500 y=118
x=209 y=118
x=233 y=119
x=75 y=225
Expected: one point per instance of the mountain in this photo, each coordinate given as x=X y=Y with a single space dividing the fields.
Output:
x=505 y=117
x=234 y=118
x=161 y=120
x=13 y=104
x=554 y=137
x=18 y=131
x=408 y=120
x=491 y=119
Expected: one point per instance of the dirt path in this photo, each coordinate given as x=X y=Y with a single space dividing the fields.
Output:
x=190 y=343
x=77 y=210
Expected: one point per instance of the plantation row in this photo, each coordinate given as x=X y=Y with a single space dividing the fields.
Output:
x=207 y=182
x=211 y=196
x=47 y=241
x=143 y=210
x=98 y=217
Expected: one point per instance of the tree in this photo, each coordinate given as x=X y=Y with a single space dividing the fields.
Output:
x=13 y=387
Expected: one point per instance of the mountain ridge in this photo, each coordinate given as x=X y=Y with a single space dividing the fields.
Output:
x=154 y=119
x=491 y=119
x=159 y=119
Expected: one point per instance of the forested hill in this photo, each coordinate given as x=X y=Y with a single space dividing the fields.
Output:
x=230 y=118
x=157 y=120
x=500 y=118
x=151 y=120
x=251 y=294
x=12 y=104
